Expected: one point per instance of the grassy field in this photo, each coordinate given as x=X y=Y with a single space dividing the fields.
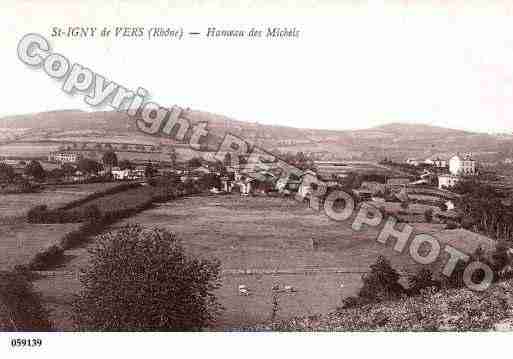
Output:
x=16 y=205
x=126 y=199
x=271 y=237
x=260 y=234
x=21 y=241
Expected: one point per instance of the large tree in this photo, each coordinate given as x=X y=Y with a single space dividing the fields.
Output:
x=6 y=173
x=194 y=162
x=173 y=156
x=227 y=162
x=34 y=169
x=143 y=280
x=125 y=164
x=88 y=165
x=110 y=159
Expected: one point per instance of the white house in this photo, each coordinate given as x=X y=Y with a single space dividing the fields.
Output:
x=413 y=161
x=64 y=157
x=447 y=180
x=245 y=185
x=462 y=166
x=436 y=162
x=119 y=174
x=128 y=174
x=440 y=163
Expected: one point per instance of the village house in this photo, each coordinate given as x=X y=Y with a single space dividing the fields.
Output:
x=437 y=162
x=462 y=166
x=447 y=180
x=137 y=173
x=440 y=163
x=120 y=174
x=245 y=185
x=458 y=167
x=413 y=161
x=64 y=157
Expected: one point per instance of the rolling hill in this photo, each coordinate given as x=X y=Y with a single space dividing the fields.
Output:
x=397 y=141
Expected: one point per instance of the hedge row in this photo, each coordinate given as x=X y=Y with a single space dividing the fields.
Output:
x=113 y=190
x=63 y=214
x=96 y=223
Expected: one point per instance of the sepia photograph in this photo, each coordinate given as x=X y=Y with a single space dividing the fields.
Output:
x=267 y=174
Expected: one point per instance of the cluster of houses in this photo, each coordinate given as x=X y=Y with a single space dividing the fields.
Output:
x=457 y=167
x=136 y=173
x=256 y=183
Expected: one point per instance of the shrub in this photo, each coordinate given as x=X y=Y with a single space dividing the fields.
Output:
x=72 y=239
x=353 y=302
x=421 y=280
x=381 y=283
x=502 y=261
x=22 y=305
x=47 y=258
x=37 y=214
x=142 y=280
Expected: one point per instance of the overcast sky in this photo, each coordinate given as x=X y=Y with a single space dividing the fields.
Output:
x=355 y=65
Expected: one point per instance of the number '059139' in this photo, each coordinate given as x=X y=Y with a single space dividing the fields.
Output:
x=26 y=342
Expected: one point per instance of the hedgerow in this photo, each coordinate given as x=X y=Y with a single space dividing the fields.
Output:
x=94 y=221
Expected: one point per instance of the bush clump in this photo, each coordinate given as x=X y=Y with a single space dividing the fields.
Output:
x=380 y=284
x=47 y=258
x=421 y=280
x=142 y=280
x=20 y=305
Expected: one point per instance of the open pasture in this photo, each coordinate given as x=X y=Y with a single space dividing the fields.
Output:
x=262 y=235
x=17 y=205
x=261 y=242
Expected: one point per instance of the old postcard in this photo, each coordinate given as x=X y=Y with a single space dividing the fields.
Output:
x=309 y=166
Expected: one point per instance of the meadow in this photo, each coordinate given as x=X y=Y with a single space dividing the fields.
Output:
x=17 y=205
x=126 y=199
x=19 y=242
x=261 y=242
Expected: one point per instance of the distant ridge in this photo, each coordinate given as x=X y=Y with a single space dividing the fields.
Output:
x=394 y=140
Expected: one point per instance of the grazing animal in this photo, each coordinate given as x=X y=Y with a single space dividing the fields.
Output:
x=243 y=290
